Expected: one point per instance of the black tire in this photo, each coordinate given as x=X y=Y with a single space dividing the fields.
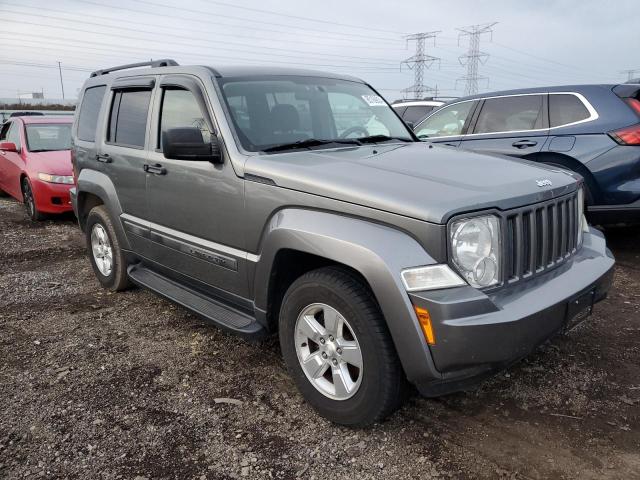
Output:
x=382 y=389
x=30 y=202
x=117 y=279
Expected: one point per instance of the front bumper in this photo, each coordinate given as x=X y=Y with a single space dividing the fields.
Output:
x=73 y=195
x=478 y=333
x=51 y=197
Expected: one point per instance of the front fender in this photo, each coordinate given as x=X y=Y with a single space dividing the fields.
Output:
x=100 y=185
x=378 y=252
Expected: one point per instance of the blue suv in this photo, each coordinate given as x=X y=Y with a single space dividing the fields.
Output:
x=593 y=130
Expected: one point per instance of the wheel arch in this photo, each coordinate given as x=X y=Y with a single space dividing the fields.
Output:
x=375 y=253
x=23 y=175
x=574 y=165
x=290 y=264
x=96 y=188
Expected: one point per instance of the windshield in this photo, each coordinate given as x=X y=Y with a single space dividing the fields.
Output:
x=48 y=137
x=269 y=112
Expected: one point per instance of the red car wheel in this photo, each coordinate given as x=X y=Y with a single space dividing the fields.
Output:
x=30 y=202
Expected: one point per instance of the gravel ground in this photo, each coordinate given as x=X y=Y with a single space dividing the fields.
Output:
x=99 y=385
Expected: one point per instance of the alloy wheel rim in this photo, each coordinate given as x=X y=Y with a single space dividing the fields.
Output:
x=101 y=249
x=328 y=351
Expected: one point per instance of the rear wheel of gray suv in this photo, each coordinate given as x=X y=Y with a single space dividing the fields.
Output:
x=337 y=348
x=107 y=259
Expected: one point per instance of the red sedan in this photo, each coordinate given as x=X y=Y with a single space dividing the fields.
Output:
x=35 y=163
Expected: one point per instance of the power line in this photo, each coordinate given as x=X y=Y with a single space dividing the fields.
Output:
x=215 y=43
x=295 y=17
x=57 y=66
x=217 y=15
x=474 y=56
x=418 y=63
x=547 y=60
x=194 y=58
x=208 y=30
x=631 y=73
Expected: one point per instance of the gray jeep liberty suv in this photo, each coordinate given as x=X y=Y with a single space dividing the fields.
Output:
x=279 y=200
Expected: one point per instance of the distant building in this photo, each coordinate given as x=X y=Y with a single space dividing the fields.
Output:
x=30 y=95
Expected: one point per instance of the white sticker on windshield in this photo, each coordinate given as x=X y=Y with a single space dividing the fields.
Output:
x=373 y=100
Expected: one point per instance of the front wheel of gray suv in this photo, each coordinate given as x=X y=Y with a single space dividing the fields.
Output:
x=338 y=349
x=107 y=259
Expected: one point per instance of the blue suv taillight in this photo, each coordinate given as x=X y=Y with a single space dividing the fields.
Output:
x=627 y=135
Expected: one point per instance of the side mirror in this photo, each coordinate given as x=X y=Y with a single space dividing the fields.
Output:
x=187 y=144
x=8 y=147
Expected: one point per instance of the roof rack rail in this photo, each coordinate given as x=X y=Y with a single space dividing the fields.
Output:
x=165 y=62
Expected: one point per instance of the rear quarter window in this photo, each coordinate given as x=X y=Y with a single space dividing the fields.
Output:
x=89 y=111
x=565 y=109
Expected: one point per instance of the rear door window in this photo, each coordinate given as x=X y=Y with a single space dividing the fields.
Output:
x=510 y=114
x=565 y=109
x=89 y=111
x=128 y=119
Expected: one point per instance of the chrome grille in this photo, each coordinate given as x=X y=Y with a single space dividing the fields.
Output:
x=540 y=237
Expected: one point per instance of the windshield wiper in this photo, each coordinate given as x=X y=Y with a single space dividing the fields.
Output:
x=382 y=138
x=311 y=142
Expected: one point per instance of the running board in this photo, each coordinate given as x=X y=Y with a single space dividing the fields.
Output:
x=206 y=307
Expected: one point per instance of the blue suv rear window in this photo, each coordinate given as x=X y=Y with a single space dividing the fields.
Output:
x=565 y=109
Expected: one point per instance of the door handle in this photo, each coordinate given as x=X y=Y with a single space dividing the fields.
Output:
x=156 y=169
x=451 y=144
x=105 y=158
x=524 y=143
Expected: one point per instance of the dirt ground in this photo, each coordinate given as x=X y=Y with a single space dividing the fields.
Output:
x=98 y=385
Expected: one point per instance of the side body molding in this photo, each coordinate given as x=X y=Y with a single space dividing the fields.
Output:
x=100 y=185
x=377 y=251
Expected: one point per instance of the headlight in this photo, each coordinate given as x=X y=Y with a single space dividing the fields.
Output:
x=430 y=277
x=47 y=177
x=475 y=249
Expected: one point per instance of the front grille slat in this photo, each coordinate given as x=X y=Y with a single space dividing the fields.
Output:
x=555 y=232
x=563 y=232
x=519 y=247
x=545 y=238
x=533 y=245
x=573 y=222
x=539 y=237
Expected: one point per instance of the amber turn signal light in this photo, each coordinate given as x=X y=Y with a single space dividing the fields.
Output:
x=425 y=323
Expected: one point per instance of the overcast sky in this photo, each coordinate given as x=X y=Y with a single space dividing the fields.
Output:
x=542 y=42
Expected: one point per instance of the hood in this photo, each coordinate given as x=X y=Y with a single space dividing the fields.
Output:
x=419 y=180
x=55 y=163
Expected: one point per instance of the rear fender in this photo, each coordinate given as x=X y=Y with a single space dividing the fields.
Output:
x=100 y=185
